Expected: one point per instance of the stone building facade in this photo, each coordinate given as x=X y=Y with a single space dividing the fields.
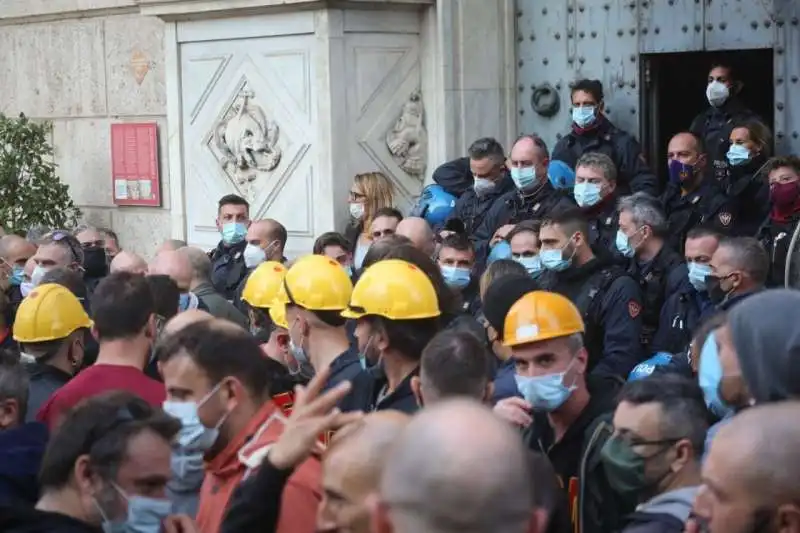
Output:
x=282 y=101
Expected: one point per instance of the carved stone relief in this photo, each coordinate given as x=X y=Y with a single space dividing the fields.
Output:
x=246 y=142
x=408 y=140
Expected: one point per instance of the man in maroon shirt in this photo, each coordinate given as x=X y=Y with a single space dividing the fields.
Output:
x=124 y=324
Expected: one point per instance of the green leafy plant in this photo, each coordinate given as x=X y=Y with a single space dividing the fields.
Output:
x=31 y=194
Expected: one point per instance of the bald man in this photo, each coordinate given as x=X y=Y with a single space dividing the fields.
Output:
x=456 y=467
x=266 y=240
x=351 y=470
x=750 y=477
x=187 y=318
x=200 y=285
x=170 y=245
x=419 y=232
x=126 y=261
x=177 y=266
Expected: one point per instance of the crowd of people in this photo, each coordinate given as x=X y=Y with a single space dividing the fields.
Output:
x=548 y=342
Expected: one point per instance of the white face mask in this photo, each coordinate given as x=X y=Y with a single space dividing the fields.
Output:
x=37 y=275
x=357 y=210
x=254 y=255
x=717 y=93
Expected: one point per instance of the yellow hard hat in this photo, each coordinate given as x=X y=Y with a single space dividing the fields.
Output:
x=541 y=315
x=263 y=283
x=50 y=312
x=277 y=312
x=393 y=289
x=316 y=283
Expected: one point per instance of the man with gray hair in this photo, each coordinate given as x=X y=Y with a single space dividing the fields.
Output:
x=595 y=193
x=170 y=245
x=201 y=287
x=456 y=468
x=656 y=267
x=59 y=248
x=739 y=268
x=490 y=180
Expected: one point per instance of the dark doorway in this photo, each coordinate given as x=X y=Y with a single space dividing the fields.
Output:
x=675 y=92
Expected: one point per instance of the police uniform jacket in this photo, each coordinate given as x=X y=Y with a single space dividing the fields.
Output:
x=748 y=188
x=776 y=236
x=471 y=209
x=680 y=316
x=620 y=146
x=513 y=208
x=368 y=393
x=714 y=126
x=664 y=273
x=707 y=205
x=227 y=268
x=603 y=221
x=611 y=304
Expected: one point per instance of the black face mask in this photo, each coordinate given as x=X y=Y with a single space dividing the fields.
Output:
x=715 y=291
x=94 y=262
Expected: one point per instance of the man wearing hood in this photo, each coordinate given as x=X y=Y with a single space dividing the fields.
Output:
x=654 y=455
x=21 y=444
x=564 y=411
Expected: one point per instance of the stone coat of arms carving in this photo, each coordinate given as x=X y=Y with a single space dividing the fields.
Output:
x=247 y=141
x=408 y=140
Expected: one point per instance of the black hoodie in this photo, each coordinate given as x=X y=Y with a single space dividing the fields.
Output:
x=20 y=519
x=576 y=458
x=767 y=341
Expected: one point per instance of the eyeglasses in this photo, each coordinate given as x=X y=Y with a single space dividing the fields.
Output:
x=357 y=196
x=63 y=235
x=382 y=233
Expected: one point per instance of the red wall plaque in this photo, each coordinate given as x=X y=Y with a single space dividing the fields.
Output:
x=134 y=164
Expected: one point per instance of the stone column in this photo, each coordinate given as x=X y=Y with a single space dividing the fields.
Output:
x=284 y=101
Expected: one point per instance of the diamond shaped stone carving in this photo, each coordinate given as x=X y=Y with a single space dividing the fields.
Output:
x=245 y=142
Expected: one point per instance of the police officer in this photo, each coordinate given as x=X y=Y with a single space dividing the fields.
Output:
x=657 y=268
x=398 y=313
x=491 y=181
x=456 y=259
x=680 y=314
x=315 y=291
x=593 y=132
x=713 y=126
x=534 y=196
x=776 y=233
x=690 y=198
x=609 y=299
x=747 y=183
x=596 y=194
x=228 y=268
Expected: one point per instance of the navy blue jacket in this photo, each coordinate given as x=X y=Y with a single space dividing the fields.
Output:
x=613 y=315
x=227 y=268
x=633 y=173
x=455 y=176
x=708 y=205
x=21 y=451
x=680 y=316
x=512 y=208
x=471 y=209
x=367 y=387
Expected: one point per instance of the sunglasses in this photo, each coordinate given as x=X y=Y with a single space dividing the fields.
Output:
x=383 y=233
x=63 y=235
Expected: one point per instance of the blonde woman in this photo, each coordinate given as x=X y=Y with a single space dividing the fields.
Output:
x=368 y=193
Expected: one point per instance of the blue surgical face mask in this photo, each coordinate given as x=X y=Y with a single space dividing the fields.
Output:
x=456 y=277
x=233 y=232
x=587 y=194
x=193 y=436
x=362 y=356
x=523 y=177
x=697 y=275
x=623 y=244
x=583 y=116
x=296 y=349
x=709 y=376
x=145 y=515
x=738 y=154
x=348 y=270
x=17 y=274
x=483 y=185
x=545 y=393
x=554 y=259
x=187 y=300
x=501 y=250
x=532 y=264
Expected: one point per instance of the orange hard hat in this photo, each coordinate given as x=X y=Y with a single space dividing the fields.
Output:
x=539 y=316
